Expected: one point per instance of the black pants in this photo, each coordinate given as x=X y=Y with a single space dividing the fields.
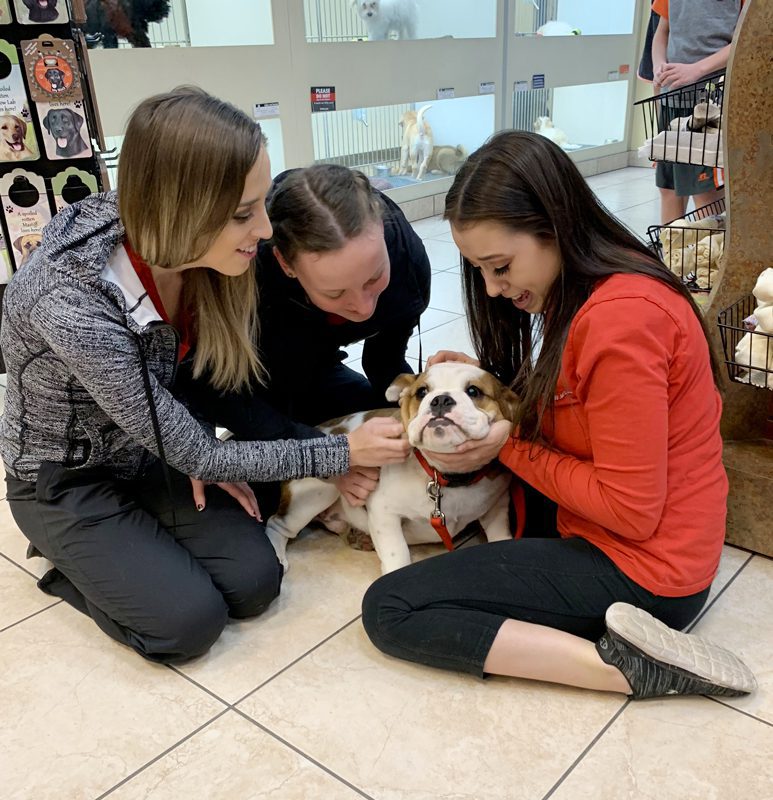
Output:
x=446 y=611
x=162 y=583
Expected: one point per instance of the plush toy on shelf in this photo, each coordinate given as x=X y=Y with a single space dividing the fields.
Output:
x=693 y=252
x=755 y=350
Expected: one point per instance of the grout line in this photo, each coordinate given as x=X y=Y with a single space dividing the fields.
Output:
x=722 y=702
x=705 y=609
x=198 y=685
x=30 y=616
x=20 y=566
x=295 y=661
x=161 y=755
x=587 y=749
x=302 y=754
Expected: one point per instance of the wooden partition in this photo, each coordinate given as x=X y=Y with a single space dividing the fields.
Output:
x=748 y=156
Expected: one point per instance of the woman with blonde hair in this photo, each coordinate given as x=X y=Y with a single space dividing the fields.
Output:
x=96 y=446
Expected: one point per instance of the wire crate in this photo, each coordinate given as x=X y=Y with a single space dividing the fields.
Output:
x=748 y=351
x=692 y=246
x=685 y=125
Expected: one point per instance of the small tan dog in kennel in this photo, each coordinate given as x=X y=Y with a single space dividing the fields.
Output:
x=418 y=143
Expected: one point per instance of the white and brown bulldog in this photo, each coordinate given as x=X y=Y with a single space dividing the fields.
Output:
x=448 y=404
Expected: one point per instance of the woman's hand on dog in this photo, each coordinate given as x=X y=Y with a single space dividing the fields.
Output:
x=377 y=442
x=357 y=484
x=451 y=355
x=241 y=492
x=475 y=453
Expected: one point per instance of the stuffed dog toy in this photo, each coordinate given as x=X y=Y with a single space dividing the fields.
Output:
x=418 y=143
x=442 y=407
x=756 y=349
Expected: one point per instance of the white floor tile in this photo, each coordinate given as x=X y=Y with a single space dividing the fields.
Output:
x=676 y=749
x=442 y=254
x=399 y=730
x=82 y=712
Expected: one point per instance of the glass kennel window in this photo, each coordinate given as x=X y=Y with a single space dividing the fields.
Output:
x=178 y=23
x=574 y=117
x=363 y=20
x=574 y=17
x=371 y=139
x=272 y=128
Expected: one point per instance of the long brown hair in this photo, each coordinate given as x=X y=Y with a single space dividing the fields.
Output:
x=320 y=208
x=183 y=165
x=526 y=183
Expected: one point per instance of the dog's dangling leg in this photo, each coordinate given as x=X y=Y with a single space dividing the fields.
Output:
x=308 y=498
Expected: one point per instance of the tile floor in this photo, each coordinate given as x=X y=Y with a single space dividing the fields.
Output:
x=297 y=704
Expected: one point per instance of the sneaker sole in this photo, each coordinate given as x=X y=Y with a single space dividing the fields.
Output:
x=686 y=651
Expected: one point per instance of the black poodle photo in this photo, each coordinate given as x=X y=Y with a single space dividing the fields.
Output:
x=107 y=21
x=42 y=10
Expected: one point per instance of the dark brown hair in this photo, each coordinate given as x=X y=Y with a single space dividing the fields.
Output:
x=319 y=208
x=526 y=183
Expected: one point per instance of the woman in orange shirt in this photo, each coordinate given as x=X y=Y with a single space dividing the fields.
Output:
x=618 y=429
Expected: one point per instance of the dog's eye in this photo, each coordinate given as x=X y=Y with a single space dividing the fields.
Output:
x=421 y=392
x=474 y=391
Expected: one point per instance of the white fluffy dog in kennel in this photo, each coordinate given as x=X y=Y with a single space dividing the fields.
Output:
x=382 y=17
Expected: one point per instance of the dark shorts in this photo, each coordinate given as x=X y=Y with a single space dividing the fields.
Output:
x=686 y=180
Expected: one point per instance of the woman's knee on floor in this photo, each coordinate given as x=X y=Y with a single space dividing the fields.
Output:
x=382 y=611
x=186 y=628
x=251 y=583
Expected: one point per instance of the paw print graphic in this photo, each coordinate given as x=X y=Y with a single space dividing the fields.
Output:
x=25 y=112
x=77 y=104
x=9 y=209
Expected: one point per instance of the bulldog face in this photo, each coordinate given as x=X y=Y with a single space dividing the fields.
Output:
x=450 y=403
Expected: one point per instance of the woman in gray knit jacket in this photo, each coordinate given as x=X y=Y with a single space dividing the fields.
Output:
x=97 y=450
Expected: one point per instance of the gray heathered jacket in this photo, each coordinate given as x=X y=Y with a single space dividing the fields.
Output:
x=75 y=328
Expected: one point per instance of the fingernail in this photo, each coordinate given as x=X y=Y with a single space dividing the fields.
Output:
x=199 y=507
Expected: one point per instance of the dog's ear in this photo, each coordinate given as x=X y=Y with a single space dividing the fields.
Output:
x=509 y=402
x=18 y=245
x=22 y=125
x=77 y=119
x=399 y=386
x=47 y=122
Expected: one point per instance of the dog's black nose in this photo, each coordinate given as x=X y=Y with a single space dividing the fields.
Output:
x=441 y=405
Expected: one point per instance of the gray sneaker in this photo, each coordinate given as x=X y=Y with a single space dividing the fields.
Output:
x=657 y=660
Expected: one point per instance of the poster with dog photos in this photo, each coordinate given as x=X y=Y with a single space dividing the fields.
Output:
x=5 y=13
x=26 y=211
x=52 y=70
x=71 y=185
x=17 y=135
x=64 y=130
x=41 y=12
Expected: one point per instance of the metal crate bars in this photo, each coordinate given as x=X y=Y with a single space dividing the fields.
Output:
x=748 y=351
x=692 y=246
x=685 y=125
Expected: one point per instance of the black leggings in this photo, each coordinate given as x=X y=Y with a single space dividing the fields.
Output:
x=446 y=611
x=163 y=584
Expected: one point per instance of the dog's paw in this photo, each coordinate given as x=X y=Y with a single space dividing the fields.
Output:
x=359 y=540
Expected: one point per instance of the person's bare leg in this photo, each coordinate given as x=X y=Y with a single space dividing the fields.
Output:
x=526 y=650
x=704 y=198
x=671 y=206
